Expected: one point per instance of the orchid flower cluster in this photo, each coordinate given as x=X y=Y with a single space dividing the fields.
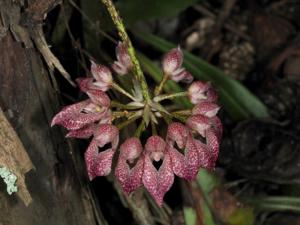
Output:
x=191 y=141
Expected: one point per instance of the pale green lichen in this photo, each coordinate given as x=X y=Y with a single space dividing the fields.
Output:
x=9 y=179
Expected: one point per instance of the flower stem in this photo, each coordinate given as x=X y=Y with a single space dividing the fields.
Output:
x=120 y=105
x=186 y=112
x=169 y=96
x=127 y=122
x=140 y=129
x=125 y=39
x=153 y=127
x=122 y=91
x=161 y=85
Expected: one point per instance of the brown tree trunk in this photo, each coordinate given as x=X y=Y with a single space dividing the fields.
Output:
x=57 y=184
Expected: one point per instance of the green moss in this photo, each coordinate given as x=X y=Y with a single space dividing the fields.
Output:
x=9 y=179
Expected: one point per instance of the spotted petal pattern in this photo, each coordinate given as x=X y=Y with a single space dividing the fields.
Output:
x=99 y=163
x=130 y=178
x=157 y=181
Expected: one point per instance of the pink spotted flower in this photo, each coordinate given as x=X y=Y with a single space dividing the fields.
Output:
x=99 y=154
x=188 y=155
x=123 y=64
x=172 y=66
x=157 y=180
x=80 y=118
x=182 y=150
x=129 y=169
x=202 y=91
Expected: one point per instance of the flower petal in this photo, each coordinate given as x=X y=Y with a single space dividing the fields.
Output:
x=183 y=76
x=217 y=125
x=84 y=132
x=123 y=56
x=198 y=123
x=80 y=120
x=192 y=159
x=129 y=179
x=206 y=108
x=98 y=164
x=158 y=182
x=172 y=61
x=177 y=160
x=212 y=142
x=101 y=73
x=107 y=133
x=99 y=97
x=202 y=91
x=119 y=68
x=85 y=84
x=155 y=147
x=165 y=179
x=68 y=112
x=177 y=132
x=131 y=148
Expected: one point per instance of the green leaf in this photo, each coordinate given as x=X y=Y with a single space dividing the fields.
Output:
x=136 y=10
x=207 y=181
x=190 y=216
x=275 y=203
x=242 y=216
x=236 y=98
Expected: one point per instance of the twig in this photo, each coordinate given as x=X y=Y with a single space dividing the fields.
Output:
x=50 y=58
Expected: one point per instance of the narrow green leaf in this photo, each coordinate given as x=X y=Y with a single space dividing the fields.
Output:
x=190 y=216
x=236 y=98
x=137 y=10
x=207 y=181
x=275 y=203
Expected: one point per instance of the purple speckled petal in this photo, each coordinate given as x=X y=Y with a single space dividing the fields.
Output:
x=129 y=179
x=158 y=182
x=206 y=108
x=172 y=61
x=85 y=132
x=177 y=160
x=69 y=112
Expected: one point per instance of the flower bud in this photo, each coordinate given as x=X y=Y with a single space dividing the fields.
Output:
x=201 y=91
x=123 y=63
x=172 y=61
x=102 y=75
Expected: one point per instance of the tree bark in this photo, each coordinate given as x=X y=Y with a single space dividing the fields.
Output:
x=58 y=184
